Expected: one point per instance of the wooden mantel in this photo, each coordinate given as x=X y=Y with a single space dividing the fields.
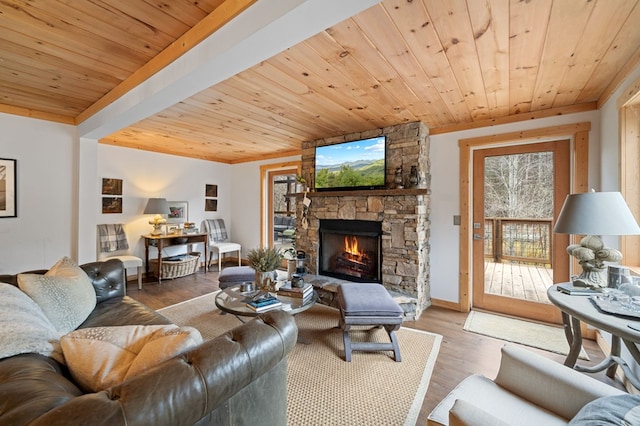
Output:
x=368 y=192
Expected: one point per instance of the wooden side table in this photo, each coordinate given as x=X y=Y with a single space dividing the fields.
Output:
x=161 y=241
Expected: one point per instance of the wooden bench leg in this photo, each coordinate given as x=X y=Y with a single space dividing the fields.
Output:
x=347 y=344
x=396 y=347
x=350 y=346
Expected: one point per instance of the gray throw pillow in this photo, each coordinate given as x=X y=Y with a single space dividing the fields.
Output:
x=24 y=328
x=64 y=293
x=619 y=410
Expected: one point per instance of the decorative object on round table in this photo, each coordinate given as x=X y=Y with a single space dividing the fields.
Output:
x=592 y=255
x=265 y=261
x=301 y=258
x=297 y=281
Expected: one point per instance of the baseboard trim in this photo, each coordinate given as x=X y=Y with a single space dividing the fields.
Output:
x=446 y=304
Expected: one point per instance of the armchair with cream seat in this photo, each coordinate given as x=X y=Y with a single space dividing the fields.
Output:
x=113 y=244
x=528 y=390
x=219 y=241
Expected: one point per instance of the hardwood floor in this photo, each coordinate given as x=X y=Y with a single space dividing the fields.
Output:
x=461 y=353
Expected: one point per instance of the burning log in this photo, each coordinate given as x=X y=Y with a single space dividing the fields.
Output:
x=354 y=262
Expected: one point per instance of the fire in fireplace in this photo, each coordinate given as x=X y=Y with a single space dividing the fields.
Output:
x=350 y=249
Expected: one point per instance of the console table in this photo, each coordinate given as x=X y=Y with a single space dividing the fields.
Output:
x=161 y=241
x=580 y=308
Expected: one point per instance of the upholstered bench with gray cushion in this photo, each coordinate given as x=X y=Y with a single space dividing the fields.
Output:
x=368 y=304
x=232 y=275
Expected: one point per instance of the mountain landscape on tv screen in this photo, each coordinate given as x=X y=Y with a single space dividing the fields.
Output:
x=361 y=173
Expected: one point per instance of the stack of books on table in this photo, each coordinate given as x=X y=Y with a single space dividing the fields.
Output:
x=305 y=293
x=264 y=303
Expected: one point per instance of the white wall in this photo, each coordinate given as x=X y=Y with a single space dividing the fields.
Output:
x=610 y=135
x=48 y=193
x=445 y=193
x=147 y=174
x=43 y=231
x=245 y=183
x=609 y=157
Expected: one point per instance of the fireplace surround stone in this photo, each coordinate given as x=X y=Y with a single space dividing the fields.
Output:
x=404 y=213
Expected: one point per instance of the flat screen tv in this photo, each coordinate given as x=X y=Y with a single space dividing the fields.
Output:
x=351 y=165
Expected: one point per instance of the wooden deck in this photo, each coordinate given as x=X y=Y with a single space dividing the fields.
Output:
x=527 y=282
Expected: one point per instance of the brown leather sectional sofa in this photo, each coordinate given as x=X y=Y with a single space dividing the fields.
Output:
x=238 y=378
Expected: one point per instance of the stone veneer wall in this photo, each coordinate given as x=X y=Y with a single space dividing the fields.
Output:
x=404 y=213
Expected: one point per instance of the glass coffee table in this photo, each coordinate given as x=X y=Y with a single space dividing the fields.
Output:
x=232 y=300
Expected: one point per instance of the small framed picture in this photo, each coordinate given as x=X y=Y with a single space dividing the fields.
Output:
x=111 y=186
x=178 y=212
x=211 y=190
x=8 y=195
x=111 y=205
x=210 y=205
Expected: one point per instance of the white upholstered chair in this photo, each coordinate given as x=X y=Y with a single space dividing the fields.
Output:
x=219 y=241
x=113 y=244
x=528 y=390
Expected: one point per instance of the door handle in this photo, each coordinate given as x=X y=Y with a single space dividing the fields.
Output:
x=477 y=237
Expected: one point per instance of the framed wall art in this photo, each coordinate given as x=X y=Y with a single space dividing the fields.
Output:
x=178 y=212
x=111 y=186
x=111 y=205
x=8 y=188
x=210 y=205
x=211 y=190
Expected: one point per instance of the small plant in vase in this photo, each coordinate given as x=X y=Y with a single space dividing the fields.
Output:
x=265 y=261
x=301 y=184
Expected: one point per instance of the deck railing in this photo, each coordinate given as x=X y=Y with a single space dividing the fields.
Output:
x=520 y=240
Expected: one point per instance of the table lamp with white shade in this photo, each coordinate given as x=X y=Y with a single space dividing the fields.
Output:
x=157 y=207
x=595 y=214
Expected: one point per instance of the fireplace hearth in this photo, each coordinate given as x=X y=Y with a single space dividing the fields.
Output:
x=350 y=249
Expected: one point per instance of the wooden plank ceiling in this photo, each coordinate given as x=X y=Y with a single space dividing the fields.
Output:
x=452 y=64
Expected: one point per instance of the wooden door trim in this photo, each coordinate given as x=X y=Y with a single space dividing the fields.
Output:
x=578 y=133
x=265 y=199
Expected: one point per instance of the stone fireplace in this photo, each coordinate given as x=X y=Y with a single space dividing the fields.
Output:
x=401 y=214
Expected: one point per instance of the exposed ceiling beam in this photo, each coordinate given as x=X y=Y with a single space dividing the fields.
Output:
x=261 y=31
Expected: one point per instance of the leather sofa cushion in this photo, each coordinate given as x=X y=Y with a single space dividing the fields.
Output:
x=123 y=311
x=31 y=385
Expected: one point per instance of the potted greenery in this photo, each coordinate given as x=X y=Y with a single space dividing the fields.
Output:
x=301 y=184
x=265 y=261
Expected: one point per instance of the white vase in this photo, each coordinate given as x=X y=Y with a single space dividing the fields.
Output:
x=291 y=268
x=266 y=281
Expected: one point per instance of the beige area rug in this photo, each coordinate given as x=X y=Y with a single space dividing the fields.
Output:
x=323 y=389
x=526 y=333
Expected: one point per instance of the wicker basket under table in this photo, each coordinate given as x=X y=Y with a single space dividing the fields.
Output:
x=177 y=268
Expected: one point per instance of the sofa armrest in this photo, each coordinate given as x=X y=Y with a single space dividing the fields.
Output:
x=108 y=278
x=187 y=388
x=547 y=383
x=464 y=413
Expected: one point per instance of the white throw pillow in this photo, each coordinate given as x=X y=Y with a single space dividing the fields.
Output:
x=64 y=293
x=24 y=328
x=101 y=357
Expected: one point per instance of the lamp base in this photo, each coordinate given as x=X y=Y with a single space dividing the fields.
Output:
x=595 y=279
x=157 y=229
